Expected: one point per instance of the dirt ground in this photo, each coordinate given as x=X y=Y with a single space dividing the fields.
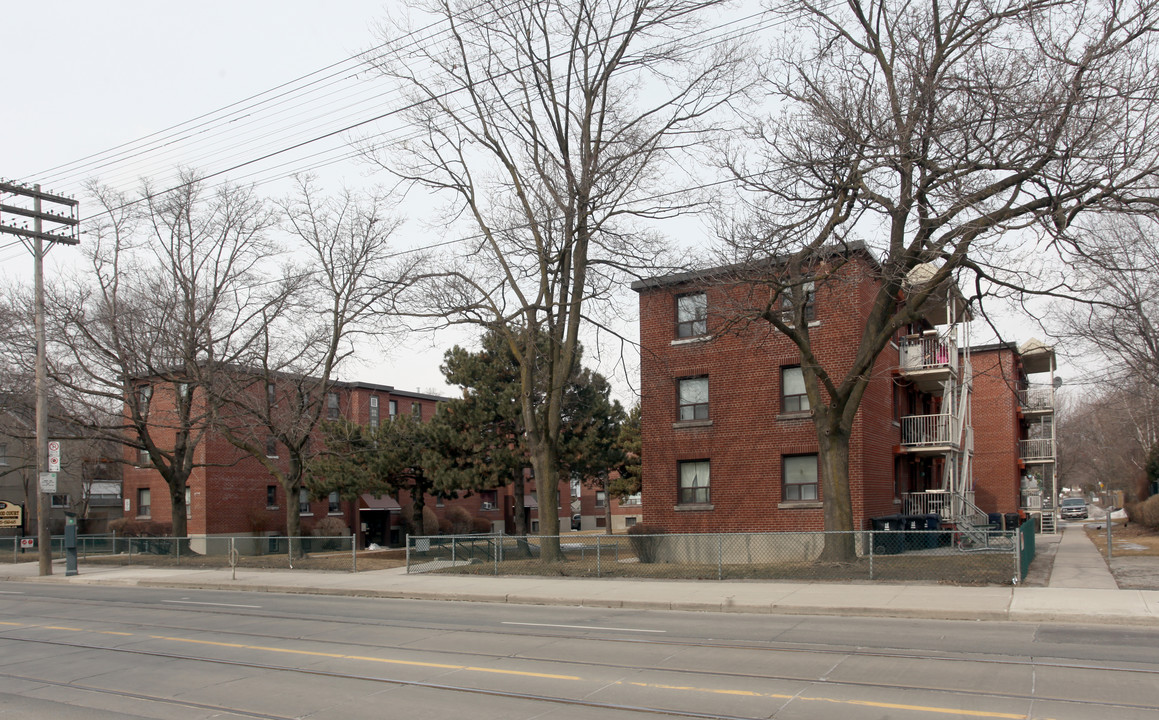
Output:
x=1134 y=553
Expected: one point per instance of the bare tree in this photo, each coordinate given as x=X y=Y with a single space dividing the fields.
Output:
x=1119 y=274
x=942 y=134
x=176 y=288
x=547 y=125
x=273 y=402
x=1105 y=437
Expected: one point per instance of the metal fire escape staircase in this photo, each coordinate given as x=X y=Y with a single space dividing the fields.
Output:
x=970 y=522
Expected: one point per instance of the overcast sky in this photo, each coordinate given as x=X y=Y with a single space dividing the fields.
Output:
x=88 y=76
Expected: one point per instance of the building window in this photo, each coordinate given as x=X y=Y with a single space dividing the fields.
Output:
x=59 y=501
x=188 y=504
x=271 y=394
x=633 y=499
x=392 y=409
x=303 y=502
x=694 y=482
x=3 y=454
x=332 y=406
x=576 y=484
x=692 y=398
x=601 y=499
x=373 y=412
x=489 y=498
x=800 y=478
x=788 y=302
x=629 y=521
x=416 y=410
x=691 y=315
x=183 y=391
x=793 y=396
x=272 y=497
x=143 y=459
x=144 y=395
x=334 y=506
x=271 y=446
x=143 y=503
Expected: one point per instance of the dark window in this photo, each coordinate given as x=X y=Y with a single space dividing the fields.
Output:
x=373 y=412
x=392 y=409
x=3 y=453
x=145 y=394
x=303 y=501
x=800 y=473
x=416 y=409
x=789 y=301
x=601 y=499
x=694 y=482
x=271 y=446
x=793 y=397
x=692 y=398
x=271 y=394
x=335 y=506
x=144 y=508
x=271 y=496
x=489 y=498
x=691 y=315
x=59 y=501
x=332 y=410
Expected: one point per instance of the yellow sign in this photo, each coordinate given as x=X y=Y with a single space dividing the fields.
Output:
x=9 y=515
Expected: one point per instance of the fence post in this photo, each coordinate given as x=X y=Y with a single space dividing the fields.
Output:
x=498 y=546
x=353 y=552
x=1017 y=555
x=408 y=553
x=599 y=570
x=871 y=554
x=720 y=557
x=454 y=547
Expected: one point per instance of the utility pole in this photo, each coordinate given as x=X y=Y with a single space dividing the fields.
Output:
x=64 y=218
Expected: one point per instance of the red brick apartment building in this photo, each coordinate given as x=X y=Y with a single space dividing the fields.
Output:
x=230 y=493
x=728 y=440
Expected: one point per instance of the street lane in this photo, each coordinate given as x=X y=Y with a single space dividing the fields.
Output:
x=296 y=656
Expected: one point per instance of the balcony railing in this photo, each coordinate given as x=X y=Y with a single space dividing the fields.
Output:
x=929 y=430
x=933 y=502
x=928 y=352
x=1036 y=449
x=1036 y=398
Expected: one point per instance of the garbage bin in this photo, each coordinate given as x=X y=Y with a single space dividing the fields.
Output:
x=915 y=527
x=1012 y=521
x=936 y=537
x=995 y=520
x=887 y=538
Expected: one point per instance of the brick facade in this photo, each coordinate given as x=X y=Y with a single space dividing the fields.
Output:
x=748 y=435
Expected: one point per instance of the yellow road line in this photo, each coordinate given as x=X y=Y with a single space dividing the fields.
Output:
x=930 y=709
x=860 y=703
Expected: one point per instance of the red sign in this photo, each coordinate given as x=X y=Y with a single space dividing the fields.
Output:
x=27 y=542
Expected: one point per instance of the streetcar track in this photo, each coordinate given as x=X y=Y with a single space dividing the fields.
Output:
x=812 y=681
x=762 y=646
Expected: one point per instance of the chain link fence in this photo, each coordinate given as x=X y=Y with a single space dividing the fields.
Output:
x=981 y=557
x=244 y=551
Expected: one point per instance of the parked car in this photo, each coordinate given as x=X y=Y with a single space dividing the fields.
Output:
x=1073 y=508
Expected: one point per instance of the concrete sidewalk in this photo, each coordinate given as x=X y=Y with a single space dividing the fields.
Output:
x=1072 y=600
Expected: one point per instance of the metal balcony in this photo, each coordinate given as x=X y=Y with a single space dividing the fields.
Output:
x=1036 y=450
x=929 y=434
x=1036 y=400
x=928 y=360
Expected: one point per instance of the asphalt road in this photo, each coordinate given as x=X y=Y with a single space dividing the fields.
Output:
x=104 y=652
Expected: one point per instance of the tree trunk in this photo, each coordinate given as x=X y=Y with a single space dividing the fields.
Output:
x=547 y=492
x=838 y=508
x=293 y=518
x=607 y=507
x=519 y=508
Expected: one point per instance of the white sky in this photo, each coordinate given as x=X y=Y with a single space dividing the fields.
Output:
x=87 y=76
